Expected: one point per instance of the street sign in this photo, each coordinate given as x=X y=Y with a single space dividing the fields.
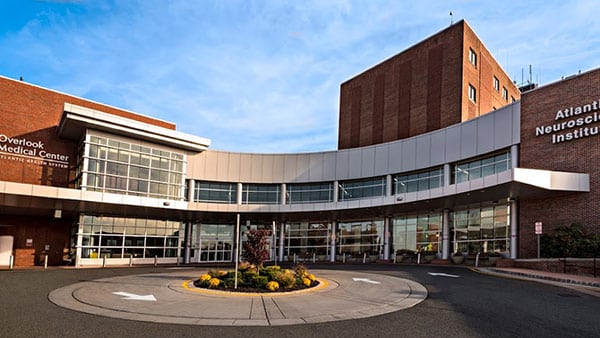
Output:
x=538 y=228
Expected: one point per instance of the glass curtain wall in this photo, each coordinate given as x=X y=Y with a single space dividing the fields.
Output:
x=307 y=239
x=261 y=193
x=417 y=233
x=481 y=229
x=126 y=168
x=309 y=193
x=356 y=189
x=357 y=238
x=215 y=192
x=473 y=169
x=419 y=181
x=114 y=237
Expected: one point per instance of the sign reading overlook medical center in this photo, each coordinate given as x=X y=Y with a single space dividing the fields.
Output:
x=572 y=123
x=30 y=151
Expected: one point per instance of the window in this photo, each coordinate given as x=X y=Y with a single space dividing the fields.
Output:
x=261 y=194
x=357 y=238
x=504 y=93
x=481 y=167
x=472 y=57
x=496 y=84
x=309 y=193
x=215 y=192
x=115 y=237
x=306 y=239
x=350 y=190
x=419 y=181
x=417 y=232
x=127 y=168
x=472 y=93
x=484 y=229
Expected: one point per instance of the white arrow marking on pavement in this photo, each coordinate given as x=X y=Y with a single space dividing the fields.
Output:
x=366 y=280
x=133 y=296
x=442 y=274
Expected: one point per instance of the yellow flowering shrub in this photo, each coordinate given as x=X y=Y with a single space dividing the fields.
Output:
x=306 y=282
x=272 y=285
x=311 y=277
x=205 y=277
x=214 y=282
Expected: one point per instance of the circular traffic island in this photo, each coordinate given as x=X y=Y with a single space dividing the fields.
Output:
x=252 y=279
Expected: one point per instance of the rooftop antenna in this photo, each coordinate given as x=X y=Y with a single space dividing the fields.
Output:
x=451 y=19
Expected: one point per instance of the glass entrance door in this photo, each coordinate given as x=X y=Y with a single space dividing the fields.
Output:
x=215 y=243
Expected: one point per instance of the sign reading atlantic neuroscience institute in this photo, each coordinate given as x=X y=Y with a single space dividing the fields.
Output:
x=572 y=123
x=29 y=151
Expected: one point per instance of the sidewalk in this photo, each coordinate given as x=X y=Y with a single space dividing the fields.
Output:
x=567 y=279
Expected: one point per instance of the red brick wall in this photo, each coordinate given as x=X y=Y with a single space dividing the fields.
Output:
x=481 y=77
x=421 y=89
x=33 y=113
x=539 y=107
x=404 y=95
x=42 y=230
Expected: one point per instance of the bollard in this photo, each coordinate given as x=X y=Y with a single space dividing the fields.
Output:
x=155 y=260
x=45 y=261
x=314 y=257
x=364 y=258
x=477 y=260
x=394 y=259
x=11 y=262
x=418 y=258
x=104 y=261
x=130 y=261
x=294 y=258
x=344 y=258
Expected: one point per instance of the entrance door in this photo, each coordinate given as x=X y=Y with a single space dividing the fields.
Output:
x=6 y=247
x=215 y=243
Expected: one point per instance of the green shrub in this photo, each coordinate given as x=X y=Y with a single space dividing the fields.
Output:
x=286 y=280
x=229 y=281
x=249 y=275
x=569 y=241
x=270 y=271
x=260 y=282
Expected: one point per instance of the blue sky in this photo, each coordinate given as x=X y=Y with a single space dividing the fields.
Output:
x=264 y=76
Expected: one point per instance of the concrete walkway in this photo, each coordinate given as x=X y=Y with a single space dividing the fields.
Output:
x=588 y=283
x=171 y=298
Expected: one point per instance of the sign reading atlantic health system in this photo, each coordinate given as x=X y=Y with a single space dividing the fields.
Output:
x=572 y=123
x=30 y=151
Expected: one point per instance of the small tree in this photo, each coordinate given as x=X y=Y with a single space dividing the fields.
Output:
x=256 y=250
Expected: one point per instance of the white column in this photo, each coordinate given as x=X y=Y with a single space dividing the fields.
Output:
x=514 y=156
x=283 y=194
x=239 y=193
x=514 y=230
x=388 y=185
x=281 y=240
x=332 y=246
x=446 y=234
x=187 y=242
x=446 y=175
x=335 y=191
x=386 y=237
x=191 y=186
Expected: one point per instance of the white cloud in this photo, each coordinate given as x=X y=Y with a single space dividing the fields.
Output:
x=265 y=76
